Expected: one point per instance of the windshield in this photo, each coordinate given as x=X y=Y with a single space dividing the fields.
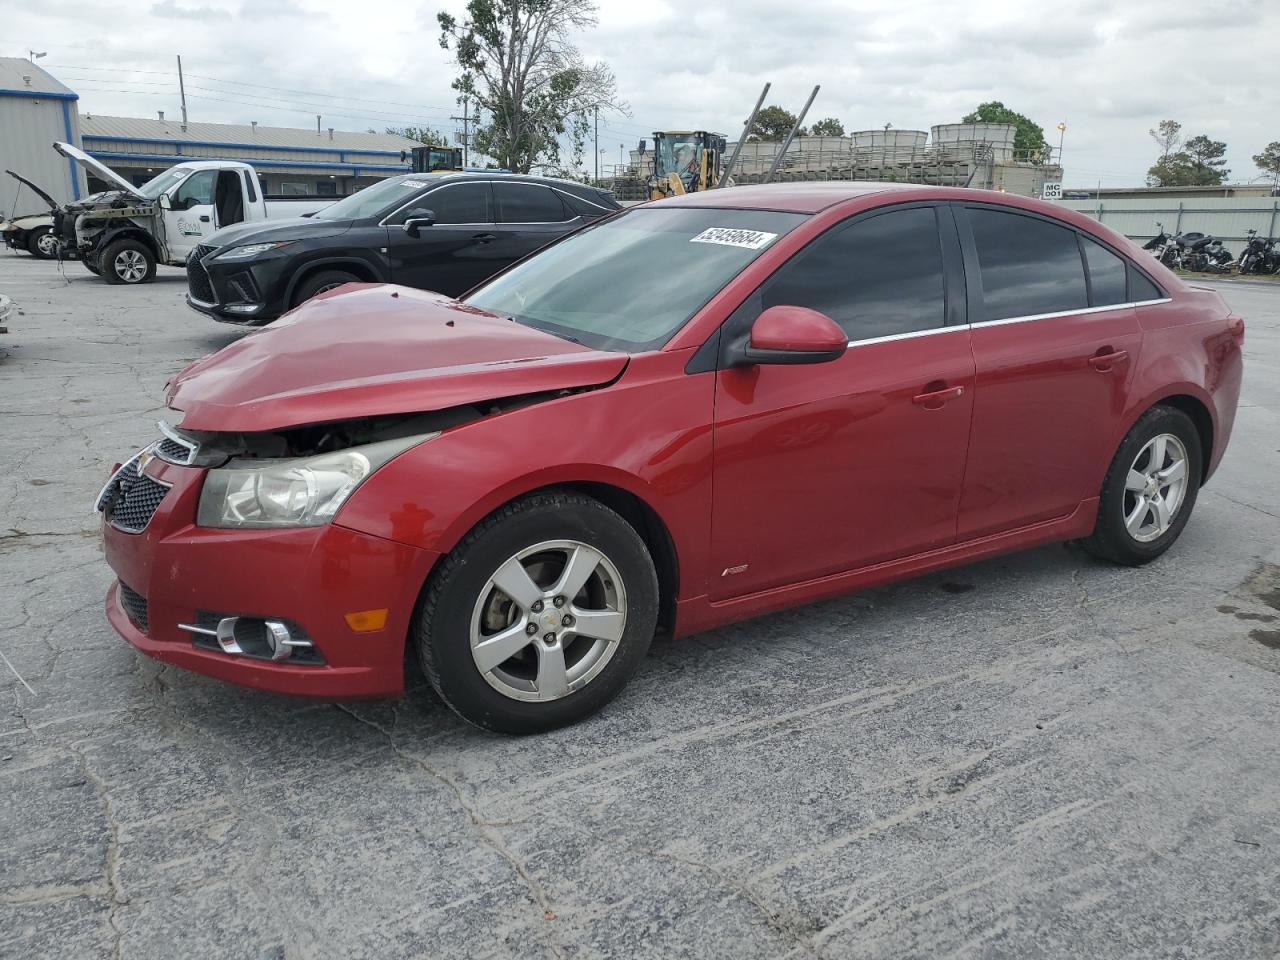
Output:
x=158 y=185
x=373 y=200
x=630 y=282
x=682 y=155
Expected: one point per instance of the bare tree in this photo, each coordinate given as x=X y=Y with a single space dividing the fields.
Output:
x=530 y=82
x=1168 y=134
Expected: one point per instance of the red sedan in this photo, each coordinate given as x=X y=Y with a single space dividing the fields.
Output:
x=696 y=411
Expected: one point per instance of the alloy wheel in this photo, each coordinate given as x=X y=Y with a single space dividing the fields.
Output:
x=130 y=266
x=1155 y=487
x=47 y=244
x=548 y=620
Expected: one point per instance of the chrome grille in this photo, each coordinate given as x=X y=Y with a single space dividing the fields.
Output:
x=175 y=447
x=135 y=606
x=130 y=499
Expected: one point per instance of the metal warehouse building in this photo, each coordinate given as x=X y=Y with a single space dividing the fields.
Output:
x=36 y=110
x=288 y=160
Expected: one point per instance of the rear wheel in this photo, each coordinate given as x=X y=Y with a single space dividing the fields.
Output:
x=320 y=282
x=540 y=615
x=1150 y=489
x=42 y=243
x=127 y=261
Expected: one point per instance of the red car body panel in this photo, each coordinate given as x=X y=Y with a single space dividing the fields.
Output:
x=311 y=576
x=429 y=353
x=771 y=485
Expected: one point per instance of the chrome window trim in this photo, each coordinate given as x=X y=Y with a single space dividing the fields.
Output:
x=1071 y=313
x=996 y=323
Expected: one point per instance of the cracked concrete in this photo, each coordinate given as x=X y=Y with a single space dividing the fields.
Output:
x=1038 y=755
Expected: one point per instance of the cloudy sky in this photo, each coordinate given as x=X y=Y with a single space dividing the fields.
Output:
x=1109 y=70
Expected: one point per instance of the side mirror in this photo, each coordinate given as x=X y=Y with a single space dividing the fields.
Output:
x=164 y=202
x=788 y=334
x=418 y=219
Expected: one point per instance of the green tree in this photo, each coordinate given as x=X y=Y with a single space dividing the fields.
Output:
x=827 y=127
x=432 y=138
x=773 y=124
x=1268 y=162
x=1028 y=140
x=530 y=83
x=1208 y=160
x=1199 y=163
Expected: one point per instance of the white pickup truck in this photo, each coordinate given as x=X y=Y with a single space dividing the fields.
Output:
x=123 y=233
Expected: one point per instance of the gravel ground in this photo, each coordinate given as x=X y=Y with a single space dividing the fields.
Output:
x=1038 y=755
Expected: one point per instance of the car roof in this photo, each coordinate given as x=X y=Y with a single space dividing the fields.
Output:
x=571 y=186
x=806 y=197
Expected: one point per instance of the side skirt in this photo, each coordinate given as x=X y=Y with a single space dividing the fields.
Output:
x=695 y=614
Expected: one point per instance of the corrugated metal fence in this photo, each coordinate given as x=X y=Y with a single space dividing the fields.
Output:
x=1225 y=218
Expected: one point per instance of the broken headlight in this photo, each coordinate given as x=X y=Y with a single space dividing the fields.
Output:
x=304 y=492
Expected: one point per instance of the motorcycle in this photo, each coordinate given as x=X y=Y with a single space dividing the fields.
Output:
x=1260 y=256
x=1158 y=244
x=1197 y=252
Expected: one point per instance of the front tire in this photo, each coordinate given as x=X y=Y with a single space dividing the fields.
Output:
x=320 y=282
x=1150 y=489
x=540 y=615
x=127 y=261
x=42 y=243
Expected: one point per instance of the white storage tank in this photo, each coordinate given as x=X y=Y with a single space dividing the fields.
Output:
x=889 y=146
x=998 y=135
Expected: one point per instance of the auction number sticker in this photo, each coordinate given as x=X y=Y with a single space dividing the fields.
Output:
x=729 y=237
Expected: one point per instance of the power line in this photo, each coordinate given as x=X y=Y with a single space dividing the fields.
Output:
x=257 y=86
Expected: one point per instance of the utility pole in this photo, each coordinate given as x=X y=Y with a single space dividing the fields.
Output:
x=182 y=92
x=597 y=144
x=466 y=130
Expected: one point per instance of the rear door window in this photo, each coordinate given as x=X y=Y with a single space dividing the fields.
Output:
x=1029 y=266
x=528 y=203
x=876 y=277
x=1107 y=284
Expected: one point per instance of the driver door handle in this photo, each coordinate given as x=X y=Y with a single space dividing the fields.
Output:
x=484 y=237
x=204 y=218
x=936 y=398
x=1103 y=362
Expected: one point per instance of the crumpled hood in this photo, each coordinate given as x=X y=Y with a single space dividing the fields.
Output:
x=293 y=228
x=368 y=350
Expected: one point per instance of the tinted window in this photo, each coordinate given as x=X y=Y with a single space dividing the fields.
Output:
x=1106 y=274
x=1028 y=266
x=528 y=203
x=585 y=208
x=249 y=189
x=1141 y=288
x=458 y=203
x=874 y=277
x=631 y=281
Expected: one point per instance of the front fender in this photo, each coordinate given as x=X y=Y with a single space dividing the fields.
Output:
x=648 y=434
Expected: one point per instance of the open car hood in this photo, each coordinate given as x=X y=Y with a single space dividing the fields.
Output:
x=100 y=170
x=53 y=204
x=366 y=350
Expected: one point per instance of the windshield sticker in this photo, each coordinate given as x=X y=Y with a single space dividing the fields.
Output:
x=414 y=183
x=729 y=237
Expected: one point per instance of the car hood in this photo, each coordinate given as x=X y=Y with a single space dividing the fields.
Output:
x=367 y=350
x=99 y=169
x=293 y=228
x=53 y=204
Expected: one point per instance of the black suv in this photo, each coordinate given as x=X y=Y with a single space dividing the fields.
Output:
x=439 y=231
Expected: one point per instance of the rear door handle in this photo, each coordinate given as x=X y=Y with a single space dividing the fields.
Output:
x=936 y=398
x=1103 y=362
x=484 y=237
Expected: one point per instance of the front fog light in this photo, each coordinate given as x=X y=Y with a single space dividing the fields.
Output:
x=291 y=493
